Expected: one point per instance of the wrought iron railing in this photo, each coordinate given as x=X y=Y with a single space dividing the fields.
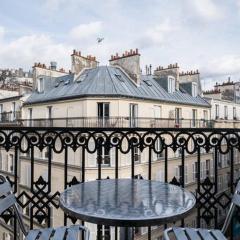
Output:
x=10 y=117
x=42 y=162
x=115 y=122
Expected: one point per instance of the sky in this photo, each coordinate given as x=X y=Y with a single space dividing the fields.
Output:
x=196 y=34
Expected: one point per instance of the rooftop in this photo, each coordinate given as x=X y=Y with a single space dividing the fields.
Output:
x=110 y=81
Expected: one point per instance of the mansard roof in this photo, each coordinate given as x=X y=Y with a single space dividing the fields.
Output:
x=109 y=81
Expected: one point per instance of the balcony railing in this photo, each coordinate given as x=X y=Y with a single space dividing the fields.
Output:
x=10 y=117
x=46 y=160
x=115 y=122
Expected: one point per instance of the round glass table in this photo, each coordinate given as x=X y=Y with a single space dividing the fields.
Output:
x=127 y=202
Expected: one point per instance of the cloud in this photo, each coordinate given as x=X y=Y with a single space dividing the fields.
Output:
x=158 y=34
x=53 y=5
x=238 y=4
x=25 y=50
x=2 y=32
x=207 y=9
x=226 y=64
x=84 y=31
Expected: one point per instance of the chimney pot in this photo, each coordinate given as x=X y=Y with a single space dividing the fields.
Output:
x=136 y=50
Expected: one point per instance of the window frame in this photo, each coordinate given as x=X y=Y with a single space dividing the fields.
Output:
x=171 y=84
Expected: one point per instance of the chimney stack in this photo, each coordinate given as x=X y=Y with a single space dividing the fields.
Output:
x=80 y=62
x=171 y=70
x=129 y=62
x=53 y=65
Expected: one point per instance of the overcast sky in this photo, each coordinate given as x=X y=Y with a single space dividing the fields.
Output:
x=198 y=34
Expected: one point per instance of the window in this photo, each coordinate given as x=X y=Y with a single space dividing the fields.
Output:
x=234 y=113
x=217 y=111
x=133 y=115
x=159 y=149
x=136 y=154
x=26 y=177
x=202 y=170
x=225 y=112
x=49 y=116
x=1 y=112
x=178 y=116
x=179 y=173
x=194 y=171
x=40 y=85
x=49 y=112
x=208 y=168
x=105 y=155
x=26 y=210
x=103 y=113
x=205 y=118
x=11 y=163
x=194 y=89
x=157 y=111
x=13 y=111
x=194 y=118
x=171 y=84
x=30 y=123
x=1 y=163
x=7 y=236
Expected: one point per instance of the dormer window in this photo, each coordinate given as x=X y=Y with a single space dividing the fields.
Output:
x=40 y=85
x=194 y=89
x=171 y=84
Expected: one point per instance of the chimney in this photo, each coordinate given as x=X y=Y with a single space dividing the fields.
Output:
x=80 y=62
x=170 y=70
x=53 y=65
x=129 y=62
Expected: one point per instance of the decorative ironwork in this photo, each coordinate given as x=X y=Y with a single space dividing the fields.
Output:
x=40 y=198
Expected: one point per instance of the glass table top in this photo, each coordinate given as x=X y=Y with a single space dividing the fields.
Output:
x=127 y=202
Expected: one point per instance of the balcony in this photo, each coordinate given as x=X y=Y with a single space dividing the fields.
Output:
x=44 y=161
x=115 y=122
x=8 y=118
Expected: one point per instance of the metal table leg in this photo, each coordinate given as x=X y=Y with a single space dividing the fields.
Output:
x=126 y=233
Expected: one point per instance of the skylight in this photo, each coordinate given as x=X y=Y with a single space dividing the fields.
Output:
x=148 y=82
x=119 y=77
x=57 y=84
x=82 y=77
x=67 y=82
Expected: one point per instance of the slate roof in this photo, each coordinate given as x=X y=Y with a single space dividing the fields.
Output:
x=109 y=81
